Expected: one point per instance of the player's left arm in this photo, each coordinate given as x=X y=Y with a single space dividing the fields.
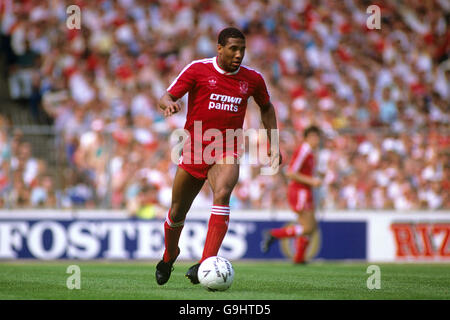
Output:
x=269 y=120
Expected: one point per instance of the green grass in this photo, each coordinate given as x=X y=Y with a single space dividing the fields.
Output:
x=253 y=281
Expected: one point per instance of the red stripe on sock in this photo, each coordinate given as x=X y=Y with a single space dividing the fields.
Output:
x=171 y=239
x=217 y=228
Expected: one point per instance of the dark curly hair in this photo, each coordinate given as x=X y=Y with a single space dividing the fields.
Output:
x=227 y=33
x=312 y=129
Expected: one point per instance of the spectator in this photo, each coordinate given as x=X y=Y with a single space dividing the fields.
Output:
x=381 y=97
x=388 y=107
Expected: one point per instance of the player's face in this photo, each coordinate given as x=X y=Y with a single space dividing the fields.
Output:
x=230 y=56
x=313 y=140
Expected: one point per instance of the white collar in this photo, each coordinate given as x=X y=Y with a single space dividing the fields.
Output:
x=220 y=70
x=307 y=145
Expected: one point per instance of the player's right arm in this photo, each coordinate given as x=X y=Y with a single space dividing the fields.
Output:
x=179 y=87
x=168 y=104
x=293 y=171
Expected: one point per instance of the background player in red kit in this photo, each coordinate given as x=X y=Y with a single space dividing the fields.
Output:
x=218 y=90
x=300 y=196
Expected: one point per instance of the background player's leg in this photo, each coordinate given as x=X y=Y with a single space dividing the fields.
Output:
x=306 y=225
x=289 y=231
x=301 y=203
x=308 y=221
x=185 y=189
x=222 y=178
x=301 y=243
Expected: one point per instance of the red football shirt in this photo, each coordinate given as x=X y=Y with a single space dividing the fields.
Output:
x=218 y=98
x=302 y=162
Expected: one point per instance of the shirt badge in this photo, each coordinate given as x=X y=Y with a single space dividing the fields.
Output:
x=243 y=87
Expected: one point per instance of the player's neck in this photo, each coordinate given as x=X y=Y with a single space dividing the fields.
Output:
x=219 y=66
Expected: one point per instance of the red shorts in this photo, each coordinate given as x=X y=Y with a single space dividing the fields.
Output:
x=200 y=170
x=300 y=199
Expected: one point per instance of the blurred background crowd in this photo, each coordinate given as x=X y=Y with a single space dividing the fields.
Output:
x=381 y=97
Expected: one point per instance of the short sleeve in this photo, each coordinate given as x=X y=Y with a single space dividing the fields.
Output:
x=184 y=82
x=261 y=94
x=299 y=158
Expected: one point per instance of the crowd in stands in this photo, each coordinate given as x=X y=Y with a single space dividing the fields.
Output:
x=380 y=96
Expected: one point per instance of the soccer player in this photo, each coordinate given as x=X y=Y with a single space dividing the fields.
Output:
x=218 y=88
x=300 y=196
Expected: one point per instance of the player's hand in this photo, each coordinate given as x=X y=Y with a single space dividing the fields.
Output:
x=171 y=108
x=274 y=157
x=316 y=182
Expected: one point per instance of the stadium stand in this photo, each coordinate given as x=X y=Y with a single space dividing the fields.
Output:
x=381 y=96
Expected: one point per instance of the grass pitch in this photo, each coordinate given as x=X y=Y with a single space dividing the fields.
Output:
x=253 y=281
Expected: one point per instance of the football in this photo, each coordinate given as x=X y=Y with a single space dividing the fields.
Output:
x=216 y=274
